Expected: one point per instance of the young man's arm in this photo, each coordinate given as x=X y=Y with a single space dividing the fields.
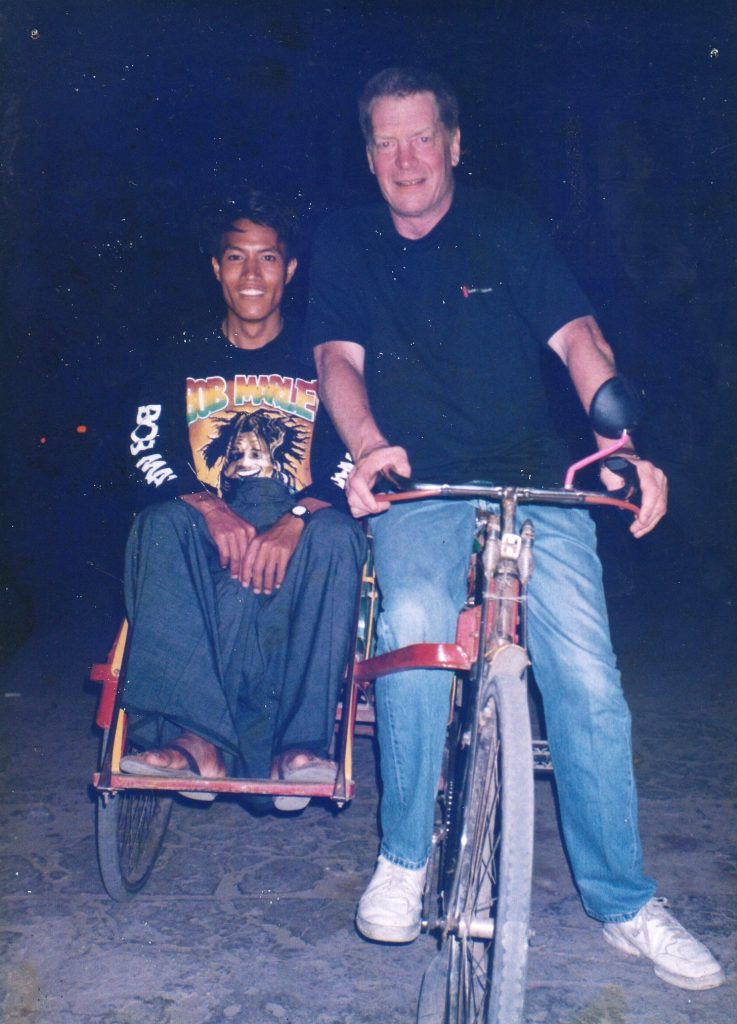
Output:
x=160 y=467
x=343 y=390
x=258 y=560
x=590 y=362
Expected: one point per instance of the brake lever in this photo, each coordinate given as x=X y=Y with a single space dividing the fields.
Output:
x=396 y=480
x=630 y=490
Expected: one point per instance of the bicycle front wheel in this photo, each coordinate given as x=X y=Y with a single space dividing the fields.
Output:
x=490 y=909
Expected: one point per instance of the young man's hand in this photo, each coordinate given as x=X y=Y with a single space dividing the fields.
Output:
x=230 y=534
x=257 y=560
x=265 y=565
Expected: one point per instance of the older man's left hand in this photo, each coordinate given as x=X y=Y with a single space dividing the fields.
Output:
x=654 y=489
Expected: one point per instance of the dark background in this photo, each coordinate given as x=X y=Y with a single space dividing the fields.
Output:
x=121 y=120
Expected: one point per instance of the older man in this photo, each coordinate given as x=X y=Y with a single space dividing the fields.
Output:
x=428 y=316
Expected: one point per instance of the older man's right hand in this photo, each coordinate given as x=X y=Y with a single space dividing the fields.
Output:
x=361 y=500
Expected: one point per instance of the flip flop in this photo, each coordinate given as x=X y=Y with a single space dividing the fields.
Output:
x=316 y=771
x=131 y=765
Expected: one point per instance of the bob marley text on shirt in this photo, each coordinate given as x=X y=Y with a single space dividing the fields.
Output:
x=262 y=430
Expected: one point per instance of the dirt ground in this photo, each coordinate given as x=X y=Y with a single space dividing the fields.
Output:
x=250 y=919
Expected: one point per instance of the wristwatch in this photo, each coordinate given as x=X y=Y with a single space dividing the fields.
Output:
x=300 y=512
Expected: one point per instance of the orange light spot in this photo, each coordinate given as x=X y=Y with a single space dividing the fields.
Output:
x=81 y=429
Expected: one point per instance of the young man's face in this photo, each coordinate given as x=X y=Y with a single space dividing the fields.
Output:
x=253 y=273
x=413 y=156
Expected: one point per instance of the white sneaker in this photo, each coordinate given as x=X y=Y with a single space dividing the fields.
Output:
x=679 y=958
x=391 y=907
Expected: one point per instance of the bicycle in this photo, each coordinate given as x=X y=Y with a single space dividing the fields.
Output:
x=477 y=894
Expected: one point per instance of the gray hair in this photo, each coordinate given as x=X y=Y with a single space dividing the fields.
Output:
x=401 y=82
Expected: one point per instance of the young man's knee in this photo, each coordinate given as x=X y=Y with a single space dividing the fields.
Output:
x=338 y=531
x=165 y=518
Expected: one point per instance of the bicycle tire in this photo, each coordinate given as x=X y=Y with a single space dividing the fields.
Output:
x=485 y=976
x=432 y=1003
x=130 y=825
x=509 y=967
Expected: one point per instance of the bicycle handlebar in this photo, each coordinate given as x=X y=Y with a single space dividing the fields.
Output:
x=527 y=495
x=613 y=410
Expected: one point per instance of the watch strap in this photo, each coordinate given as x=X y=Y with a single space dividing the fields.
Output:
x=300 y=512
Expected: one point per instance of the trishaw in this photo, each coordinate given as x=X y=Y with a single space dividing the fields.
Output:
x=477 y=895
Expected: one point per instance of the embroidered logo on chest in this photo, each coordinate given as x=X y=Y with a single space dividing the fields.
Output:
x=467 y=290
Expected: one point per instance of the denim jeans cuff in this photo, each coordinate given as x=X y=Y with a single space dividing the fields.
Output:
x=621 y=918
x=402 y=862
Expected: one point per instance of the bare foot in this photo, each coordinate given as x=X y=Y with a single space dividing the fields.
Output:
x=294 y=760
x=300 y=766
x=207 y=755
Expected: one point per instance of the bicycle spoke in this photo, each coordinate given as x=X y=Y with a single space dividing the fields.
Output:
x=130 y=829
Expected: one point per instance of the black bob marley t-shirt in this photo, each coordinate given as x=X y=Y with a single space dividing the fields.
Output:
x=454 y=327
x=212 y=415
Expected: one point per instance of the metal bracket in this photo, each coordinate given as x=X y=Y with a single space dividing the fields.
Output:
x=511 y=544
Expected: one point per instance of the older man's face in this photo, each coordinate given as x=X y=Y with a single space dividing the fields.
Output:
x=413 y=156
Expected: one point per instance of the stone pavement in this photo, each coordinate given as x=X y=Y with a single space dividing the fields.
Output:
x=250 y=919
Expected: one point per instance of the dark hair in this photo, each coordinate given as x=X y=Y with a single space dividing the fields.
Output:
x=401 y=82
x=250 y=204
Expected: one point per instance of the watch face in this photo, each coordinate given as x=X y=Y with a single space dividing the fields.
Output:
x=300 y=511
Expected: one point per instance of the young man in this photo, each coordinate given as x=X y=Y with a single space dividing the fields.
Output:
x=428 y=347
x=240 y=591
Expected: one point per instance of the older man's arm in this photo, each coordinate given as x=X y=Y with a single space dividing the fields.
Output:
x=590 y=362
x=343 y=390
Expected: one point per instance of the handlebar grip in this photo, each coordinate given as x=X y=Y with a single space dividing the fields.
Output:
x=630 y=490
x=390 y=479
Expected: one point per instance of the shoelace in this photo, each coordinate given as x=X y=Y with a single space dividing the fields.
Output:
x=400 y=884
x=662 y=929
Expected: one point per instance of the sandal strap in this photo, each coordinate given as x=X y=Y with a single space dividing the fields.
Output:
x=191 y=763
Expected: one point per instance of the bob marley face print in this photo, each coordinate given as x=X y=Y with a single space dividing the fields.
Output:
x=248 y=456
x=256 y=445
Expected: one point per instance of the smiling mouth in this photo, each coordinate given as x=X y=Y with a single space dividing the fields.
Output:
x=251 y=293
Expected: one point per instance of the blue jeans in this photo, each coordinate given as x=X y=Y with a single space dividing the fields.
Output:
x=422 y=552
